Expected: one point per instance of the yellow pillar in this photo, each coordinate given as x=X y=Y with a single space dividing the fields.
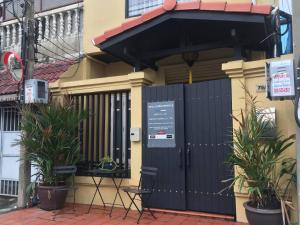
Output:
x=137 y=81
x=235 y=71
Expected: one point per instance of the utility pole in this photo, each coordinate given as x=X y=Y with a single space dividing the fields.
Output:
x=27 y=52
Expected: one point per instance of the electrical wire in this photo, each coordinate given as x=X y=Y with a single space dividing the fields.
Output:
x=47 y=49
x=266 y=38
x=71 y=48
x=59 y=47
x=48 y=56
x=62 y=44
x=13 y=12
x=67 y=44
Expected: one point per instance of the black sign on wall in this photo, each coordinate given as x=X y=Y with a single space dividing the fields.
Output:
x=161 y=124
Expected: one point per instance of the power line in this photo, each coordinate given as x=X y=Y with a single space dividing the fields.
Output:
x=58 y=46
x=48 y=56
x=70 y=47
x=64 y=42
x=14 y=11
x=52 y=29
x=47 y=49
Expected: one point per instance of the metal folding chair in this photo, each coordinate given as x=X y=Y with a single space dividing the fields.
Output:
x=65 y=171
x=143 y=191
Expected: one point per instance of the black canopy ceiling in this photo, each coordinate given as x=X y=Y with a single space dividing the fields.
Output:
x=184 y=31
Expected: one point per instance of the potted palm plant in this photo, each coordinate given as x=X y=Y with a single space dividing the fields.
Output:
x=49 y=134
x=261 y=165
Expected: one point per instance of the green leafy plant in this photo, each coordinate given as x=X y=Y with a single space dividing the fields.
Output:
x=261 y=162
x=50 y=136
x=107 y=163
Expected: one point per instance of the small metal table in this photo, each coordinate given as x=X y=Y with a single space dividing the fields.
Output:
x=107 y=174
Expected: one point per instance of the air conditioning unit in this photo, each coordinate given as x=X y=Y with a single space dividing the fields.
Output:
x=36 y=91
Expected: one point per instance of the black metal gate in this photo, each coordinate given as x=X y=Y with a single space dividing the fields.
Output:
x=191 y=167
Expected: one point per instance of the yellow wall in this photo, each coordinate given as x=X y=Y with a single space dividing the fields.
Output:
x=99 y=16
x=251 y=74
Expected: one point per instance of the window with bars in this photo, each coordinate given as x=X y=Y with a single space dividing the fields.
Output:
x=9 y=119
x=138 y=7
x=106 y=131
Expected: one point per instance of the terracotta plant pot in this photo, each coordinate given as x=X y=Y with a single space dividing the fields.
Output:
x=263 y=216
x=52 y=197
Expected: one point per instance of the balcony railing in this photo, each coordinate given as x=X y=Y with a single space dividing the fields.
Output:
x=58 y=31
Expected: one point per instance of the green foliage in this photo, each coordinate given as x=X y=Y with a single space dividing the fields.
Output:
x=261 y=160
x=50 y=136
x=107 y=163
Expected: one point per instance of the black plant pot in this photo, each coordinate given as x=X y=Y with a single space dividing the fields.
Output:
x=263 y=216
x=52 y=197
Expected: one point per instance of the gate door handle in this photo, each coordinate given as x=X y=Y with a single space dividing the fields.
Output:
x=188 y=162
x=180 y=158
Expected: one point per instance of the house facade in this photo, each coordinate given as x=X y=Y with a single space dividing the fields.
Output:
x=170 y=73
x=137 y=61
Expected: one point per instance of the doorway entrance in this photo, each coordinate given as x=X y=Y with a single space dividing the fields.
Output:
x=186 y=135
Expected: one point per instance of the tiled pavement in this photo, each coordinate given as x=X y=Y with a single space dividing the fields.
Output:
x=99 y=216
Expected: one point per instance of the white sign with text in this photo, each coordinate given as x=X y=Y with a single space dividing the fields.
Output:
x=281 y=79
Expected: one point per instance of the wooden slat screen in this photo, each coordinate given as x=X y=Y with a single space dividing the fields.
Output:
x=106 y=131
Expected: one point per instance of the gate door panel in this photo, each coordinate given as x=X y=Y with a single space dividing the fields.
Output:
x=163 y=144
x=207 y=138
x=190 y=157
x=9 y=152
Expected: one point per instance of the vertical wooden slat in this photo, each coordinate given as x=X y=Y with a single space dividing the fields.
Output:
x=81 y=127
x=103 y=125
x=109 y=124
x=87 y=123
x=118 y=128
x=128 y=124
x=98 y=149
x=124 y=129
x=92 y=129
x=112 y=127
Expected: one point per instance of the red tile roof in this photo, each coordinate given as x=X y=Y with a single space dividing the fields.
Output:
x=170 y=5
x=44 y=71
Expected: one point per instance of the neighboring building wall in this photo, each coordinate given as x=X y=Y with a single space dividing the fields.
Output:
x=252 y=74
x=59 y=38
x=59 y=33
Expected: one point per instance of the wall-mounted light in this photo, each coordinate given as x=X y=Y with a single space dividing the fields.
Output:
x=190 y=58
